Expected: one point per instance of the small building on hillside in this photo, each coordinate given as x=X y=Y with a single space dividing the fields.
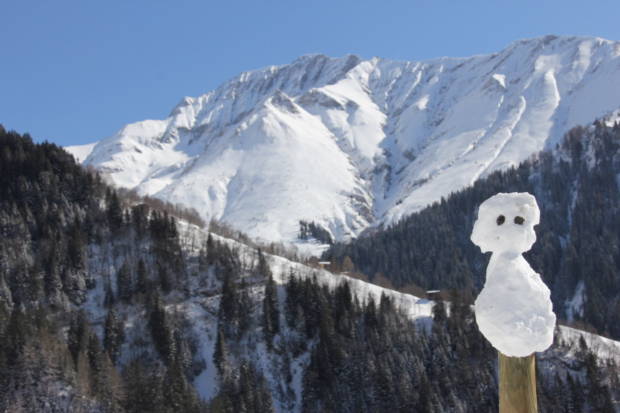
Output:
x=325 y=264
x=434 y=295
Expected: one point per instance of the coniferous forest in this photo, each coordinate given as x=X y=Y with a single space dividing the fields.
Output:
x=577 y=250
x=112 y=305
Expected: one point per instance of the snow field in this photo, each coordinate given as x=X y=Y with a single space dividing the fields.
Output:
x=352 y=144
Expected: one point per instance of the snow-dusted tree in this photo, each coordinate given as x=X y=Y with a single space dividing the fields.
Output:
x=220 y=354
x=95 y=360
x=142 y=280
x=178 y=393
x=114 y=211
x=271 y=311
x=78 y=334
x=245 y=314
x=228 y=309
x=440 y=314
x=75 y=248
x=164 y=277
x=161 y=329
x=51 y=281
x=15 y=335
x=140 y=219
x=262 y=269
x=210 y=250
x=111 y=337
x=6 y=300
x=124 y=282
x=108 y=299
x=136 y=398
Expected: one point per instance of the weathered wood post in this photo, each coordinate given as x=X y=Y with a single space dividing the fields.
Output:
x=517 y=384
x=513 y=310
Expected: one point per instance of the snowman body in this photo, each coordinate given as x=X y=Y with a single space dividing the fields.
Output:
x=513 y=310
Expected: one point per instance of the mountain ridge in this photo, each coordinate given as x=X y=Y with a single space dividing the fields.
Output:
x=352 y=144
x=112 y=304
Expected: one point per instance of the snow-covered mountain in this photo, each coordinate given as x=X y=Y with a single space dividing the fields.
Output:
x=351 y=143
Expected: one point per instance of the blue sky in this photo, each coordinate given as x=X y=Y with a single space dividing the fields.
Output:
x=74 y=72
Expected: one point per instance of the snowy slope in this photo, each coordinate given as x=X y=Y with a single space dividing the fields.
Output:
x=202 y=309
x=352 y=143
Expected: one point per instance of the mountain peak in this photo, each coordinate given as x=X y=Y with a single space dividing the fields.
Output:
x=185 y=102
x=310 y=57
x=352 y=142
x=280 y=100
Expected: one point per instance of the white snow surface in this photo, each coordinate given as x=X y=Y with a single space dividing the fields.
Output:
x=513 y=310
x=81 y=152
x=202 y=311
x=201 y=308
x=351 y=143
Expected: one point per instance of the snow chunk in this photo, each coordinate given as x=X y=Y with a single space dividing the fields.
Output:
x=514 y=310
x=501 y=79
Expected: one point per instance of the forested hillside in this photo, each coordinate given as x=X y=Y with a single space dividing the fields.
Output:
x=113 y=306
x=62 y=320
x=577 y=252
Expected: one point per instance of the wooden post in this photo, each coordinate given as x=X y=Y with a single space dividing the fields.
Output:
x=517 y=384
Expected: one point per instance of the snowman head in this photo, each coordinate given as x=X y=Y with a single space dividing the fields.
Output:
x=506 y=223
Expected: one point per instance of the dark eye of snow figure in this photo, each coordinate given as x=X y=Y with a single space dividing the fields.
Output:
x=501 y=219
x=519 y=220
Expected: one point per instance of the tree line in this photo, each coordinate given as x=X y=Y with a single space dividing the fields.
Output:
x=92 y=318
x=576 y=252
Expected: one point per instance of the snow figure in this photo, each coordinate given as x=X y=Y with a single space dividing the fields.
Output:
x=513 y=310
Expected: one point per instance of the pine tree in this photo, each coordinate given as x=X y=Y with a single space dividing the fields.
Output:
x=142 y=278
x=75 y=254
x=426 y=396
x=111 y=337
x=114 y=211
x=165 y=279
x=262 y=269
x=440 y=314
x=179 y=395
x=108 y=300
x=17 y=332
x=78 y=335
x=111 y=388
x=52 y=284
x=124 y=283
x=6 y=300
x=95 y=360
x=139 y=219
x=161 y=329
x=244 y=311
x=227 y=315
x=271 y=311
x=136 y=398
x=211 y=250
x=575 y=396
x=598 y=395
x=220 y=355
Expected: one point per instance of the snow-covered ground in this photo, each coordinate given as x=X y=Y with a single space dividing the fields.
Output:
x=202 y=310
x=604 y=348
x=352 y=143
